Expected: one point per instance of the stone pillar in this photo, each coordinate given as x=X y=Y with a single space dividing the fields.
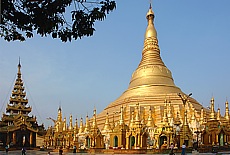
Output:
x=14 y=138
x=8 y=138
x=31 y=138
x=120 y=140
x=127 y=142
x=136 y=140
x=141 y=141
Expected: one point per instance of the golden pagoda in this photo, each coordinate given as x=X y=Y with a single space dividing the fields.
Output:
x=61 y=135
x=152 y=87
x=150 y=115
x=17 y=128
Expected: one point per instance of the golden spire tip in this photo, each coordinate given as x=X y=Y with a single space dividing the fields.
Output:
x=150 y=4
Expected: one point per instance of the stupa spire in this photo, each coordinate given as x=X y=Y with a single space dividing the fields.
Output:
x=150 y=119
x=150 y=31
x=71 y=122
x=177 y=121
x=137 y=111
x=64 y=124
x=131 y=124
x=76 y=125
x=165 y=115
x=94 y=125
x=212 y=112
x=202 y=116
x=218 y=114
x=107 y=125
x=226 y=111
x=59 y=119
x=122 y=115
x=87 y=125
x=81 y=128
x=152 y=71
x=19 y=68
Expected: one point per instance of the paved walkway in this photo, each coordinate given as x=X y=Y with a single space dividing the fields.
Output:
x=32 y=152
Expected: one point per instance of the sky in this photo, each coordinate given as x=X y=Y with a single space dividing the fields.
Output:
x=194 y=39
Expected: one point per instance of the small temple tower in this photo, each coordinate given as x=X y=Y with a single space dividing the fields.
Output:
x=17 y=128
x=61 y=135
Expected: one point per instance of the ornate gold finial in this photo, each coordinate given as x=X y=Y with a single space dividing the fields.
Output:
x=59 y=119
x=76 y=125
x=137 y=111
x=185 y=118
x=212 y=112
x=131 y=124
x=107 y=125
x=150 y=2
x=165 y=117
x=218 y=114
x=19 y=69
x=94 y=125
x=64 y=124
x=202 y=116
x=19 y=63
x=70 y=122
x=87 y=125
x=150 y=31
x=226 y=111
x=81 y=126
x=150 y=119
x=177 y=121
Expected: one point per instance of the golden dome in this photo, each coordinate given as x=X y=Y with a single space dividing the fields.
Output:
x=150 y=83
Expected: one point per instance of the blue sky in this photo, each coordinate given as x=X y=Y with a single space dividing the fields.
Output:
x=92 y=72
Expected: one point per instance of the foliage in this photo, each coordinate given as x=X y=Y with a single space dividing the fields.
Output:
x=20 y=19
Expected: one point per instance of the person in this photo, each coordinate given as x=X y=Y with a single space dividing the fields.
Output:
x=7 y=149
x=48 y=153
x=74 y=149
x=183 y=149
x=60 y=151
x=171 y=149
x=23 y=151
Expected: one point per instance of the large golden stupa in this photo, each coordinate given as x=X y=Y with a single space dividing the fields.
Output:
x=151 y=114
x=151 y=85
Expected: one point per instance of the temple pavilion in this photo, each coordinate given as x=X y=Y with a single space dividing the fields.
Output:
x=17 y=128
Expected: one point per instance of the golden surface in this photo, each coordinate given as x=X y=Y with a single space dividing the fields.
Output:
x=151 y=83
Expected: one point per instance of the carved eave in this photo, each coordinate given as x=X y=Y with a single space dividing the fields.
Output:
x=31 y=119
x=212 y=125
x=226 y=129
x=22 y=127
x=6 y=118
x=22 y=100
x=18 y=107
x=17 y=93
x=120 y=127
x=49 y=132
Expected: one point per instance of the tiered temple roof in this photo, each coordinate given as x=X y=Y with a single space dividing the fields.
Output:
x=16 y=122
